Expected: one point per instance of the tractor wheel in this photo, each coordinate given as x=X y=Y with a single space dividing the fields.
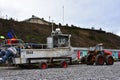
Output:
x=99 y=59
x=109 y=60
x=89 y=59
x=83 y=60
x=43 y=65
x=64 y=64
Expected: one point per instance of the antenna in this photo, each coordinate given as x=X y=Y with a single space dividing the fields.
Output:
x=63 y=14
x=52 y=27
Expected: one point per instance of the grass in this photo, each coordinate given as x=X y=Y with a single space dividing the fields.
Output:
x=38 y=33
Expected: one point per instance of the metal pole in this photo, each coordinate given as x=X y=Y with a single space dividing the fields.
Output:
x=63 y=15
x=52 y=25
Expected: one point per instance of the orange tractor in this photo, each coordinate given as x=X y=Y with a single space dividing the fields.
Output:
x=98 y=55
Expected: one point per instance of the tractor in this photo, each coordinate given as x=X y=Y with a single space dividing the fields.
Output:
x=98 y=55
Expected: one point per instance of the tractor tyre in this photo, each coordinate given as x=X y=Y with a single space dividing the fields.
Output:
x=109 y=60
x=89 y=59
x=99 y=60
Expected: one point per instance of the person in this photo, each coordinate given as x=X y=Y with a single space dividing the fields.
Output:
x=2 y=38
x=5 y=54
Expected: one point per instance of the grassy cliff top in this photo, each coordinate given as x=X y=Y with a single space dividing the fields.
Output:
x=37 y=33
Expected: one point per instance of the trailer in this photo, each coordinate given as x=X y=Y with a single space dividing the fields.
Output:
x=58 y=50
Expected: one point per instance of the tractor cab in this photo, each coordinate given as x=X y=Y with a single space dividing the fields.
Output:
x=99 y=47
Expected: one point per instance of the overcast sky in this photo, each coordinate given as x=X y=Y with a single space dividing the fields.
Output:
x=103 y=14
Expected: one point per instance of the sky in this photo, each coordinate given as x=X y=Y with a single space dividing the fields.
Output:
x=103 y=14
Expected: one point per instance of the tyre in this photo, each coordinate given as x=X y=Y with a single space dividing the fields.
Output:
x=64 y=64
x=89 y=59
x=83 y=60
x=109 y=60
x=43 y=65
x=99 y=59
